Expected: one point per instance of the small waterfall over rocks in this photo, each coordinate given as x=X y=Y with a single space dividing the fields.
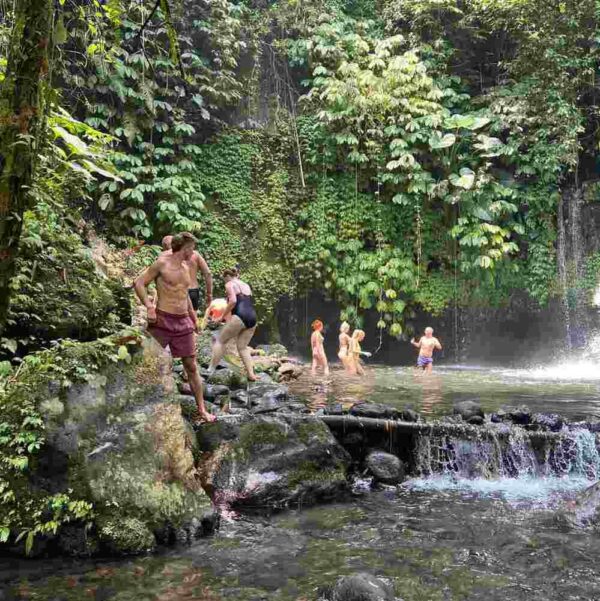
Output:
x=508 y=452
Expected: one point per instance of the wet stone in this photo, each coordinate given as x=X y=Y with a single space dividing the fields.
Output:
x=358 y=587
x=476 y=420
x=267 y=405
x=385 y=468
x=409 y=415
x=375 y=410
x=468 y=410
x=548 y=421
x=518 y=415
x=212 y=391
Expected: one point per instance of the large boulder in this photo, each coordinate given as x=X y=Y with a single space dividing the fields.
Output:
x=257 y=462
x=115 y=439
x=385 y=467
x=358 y=587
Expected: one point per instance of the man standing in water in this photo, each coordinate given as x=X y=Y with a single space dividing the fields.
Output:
x=426 y=345
x=195 y=263
x=172 y=321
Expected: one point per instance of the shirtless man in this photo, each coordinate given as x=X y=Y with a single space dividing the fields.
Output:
x=426 y=346
x=172 y=321
x=195 y=263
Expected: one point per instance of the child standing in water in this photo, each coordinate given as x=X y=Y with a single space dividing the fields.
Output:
x=319 y=358
x=355 y=352
x=344 y=352
x=426 y=346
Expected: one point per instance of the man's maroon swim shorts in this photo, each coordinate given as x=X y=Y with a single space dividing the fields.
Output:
x=174 y=331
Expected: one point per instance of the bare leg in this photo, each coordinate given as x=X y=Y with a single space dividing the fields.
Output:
x=243 y=340
x=429 y=368
x=191 y=369
x=359 y=368
x=231 y=330
x=325 y=364
x=313 y=369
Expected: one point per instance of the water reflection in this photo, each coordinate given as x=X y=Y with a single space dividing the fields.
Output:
x=339 y=387
x=431 y=390
x=434 y=395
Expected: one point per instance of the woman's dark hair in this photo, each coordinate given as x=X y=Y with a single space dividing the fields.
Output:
x=181 y=240
x=231 y=273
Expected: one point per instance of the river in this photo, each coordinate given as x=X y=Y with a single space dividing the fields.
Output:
x=442 y=537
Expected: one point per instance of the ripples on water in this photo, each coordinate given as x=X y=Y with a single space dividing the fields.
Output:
x=570 y=390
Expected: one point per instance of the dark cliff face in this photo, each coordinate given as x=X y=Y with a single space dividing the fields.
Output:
x=518 y=334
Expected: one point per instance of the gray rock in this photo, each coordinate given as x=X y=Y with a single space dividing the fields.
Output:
x=548 y=421
x=476 y=420
x=409 y=415
x=519 y=415
x=385 y=468
x=468 y=410
x=267 y=405
x=209 y=524
x=212 y=391
x=584 y=511
x=272 y=461
x=375 y=410
x=359 y=587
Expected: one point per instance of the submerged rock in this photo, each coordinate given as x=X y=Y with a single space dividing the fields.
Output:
x=375 y=410
x=260 y=462
x=468 y=410
x=358 y=587
x=385 y=468
x=520 y=416
x=548 y=421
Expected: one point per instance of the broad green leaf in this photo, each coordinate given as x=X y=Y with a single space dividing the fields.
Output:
x=465 y=180
x=437 y=141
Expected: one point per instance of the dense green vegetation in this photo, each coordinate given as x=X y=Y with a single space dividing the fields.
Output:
x=398 y=154
x=395 y=154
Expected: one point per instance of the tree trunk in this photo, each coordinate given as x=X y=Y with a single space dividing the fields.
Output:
x=21 y=122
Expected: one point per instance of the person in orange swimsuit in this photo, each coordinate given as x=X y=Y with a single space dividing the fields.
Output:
x=319 y=359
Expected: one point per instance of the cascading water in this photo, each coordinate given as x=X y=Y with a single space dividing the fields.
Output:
x=503 y=460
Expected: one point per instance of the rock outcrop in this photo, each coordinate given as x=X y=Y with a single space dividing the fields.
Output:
x=262 y=462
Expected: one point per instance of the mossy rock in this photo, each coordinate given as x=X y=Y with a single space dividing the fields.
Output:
x=61 y=291
x=232 y=378
x=261 y=462
x=126 y=536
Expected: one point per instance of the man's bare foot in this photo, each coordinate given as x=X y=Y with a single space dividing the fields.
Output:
x=252 y=378
x=205 y=418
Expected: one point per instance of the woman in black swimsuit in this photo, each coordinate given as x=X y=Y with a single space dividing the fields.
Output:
x=242 y=324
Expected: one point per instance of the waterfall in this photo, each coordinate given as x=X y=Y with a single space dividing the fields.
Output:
x=507 y=452
x=561 y=259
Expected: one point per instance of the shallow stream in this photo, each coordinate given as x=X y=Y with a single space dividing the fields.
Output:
x=440 y=538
